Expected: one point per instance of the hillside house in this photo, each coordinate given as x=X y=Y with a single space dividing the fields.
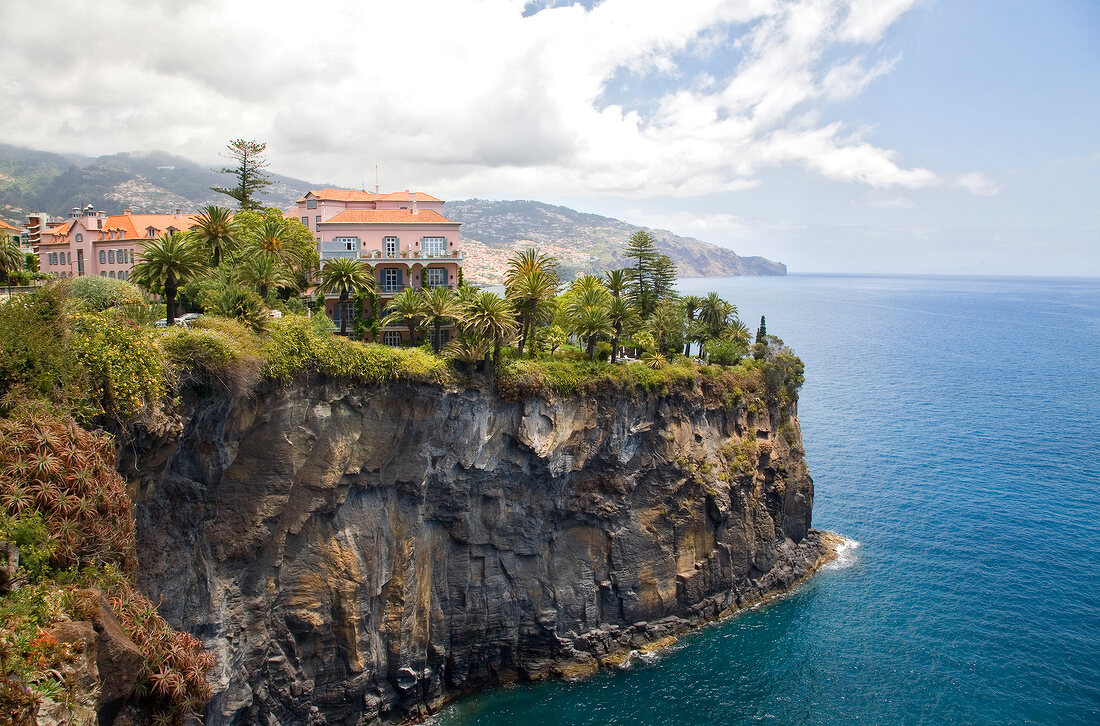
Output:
x=90 y=242
x=403 y=237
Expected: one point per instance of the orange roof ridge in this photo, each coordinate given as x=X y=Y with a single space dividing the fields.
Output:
x=389 y=216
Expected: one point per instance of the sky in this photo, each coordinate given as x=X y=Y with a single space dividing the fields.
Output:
x=862 y=136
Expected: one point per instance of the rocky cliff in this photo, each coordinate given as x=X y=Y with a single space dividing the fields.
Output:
x=352 y=554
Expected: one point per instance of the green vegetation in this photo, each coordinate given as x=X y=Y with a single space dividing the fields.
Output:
x=87 y=352
x=65 y=508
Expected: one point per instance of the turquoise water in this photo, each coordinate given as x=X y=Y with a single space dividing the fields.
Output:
x=951 y=427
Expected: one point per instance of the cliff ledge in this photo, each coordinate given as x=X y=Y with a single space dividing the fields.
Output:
x=354 y=554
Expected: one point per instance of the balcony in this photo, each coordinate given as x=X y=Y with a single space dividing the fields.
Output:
x=414 y=255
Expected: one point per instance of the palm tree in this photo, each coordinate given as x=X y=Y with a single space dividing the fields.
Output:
x=622 y=316
x=529 y=260
x=616 y=281
x=532 y=292
x=437 y=305
x=468 y=350
x=404 y=307
x=166 y=263
x=344 y=276
x=591 y=322
x=530 y=282
x=666 y=322
x=11 y=258
x=492 y=317
x=691 y=304
x=214 y=230
x=239 y=304
x=264 y=271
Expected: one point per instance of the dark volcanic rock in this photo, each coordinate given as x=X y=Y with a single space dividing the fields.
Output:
x=354 y=553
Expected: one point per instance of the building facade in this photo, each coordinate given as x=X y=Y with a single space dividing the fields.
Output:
x=403 y=238
x=90 y=242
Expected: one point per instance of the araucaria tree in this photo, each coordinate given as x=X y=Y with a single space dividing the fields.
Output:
x=653 y=276
x=249 y=170
x=166 y=263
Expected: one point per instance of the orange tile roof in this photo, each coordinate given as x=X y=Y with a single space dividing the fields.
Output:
x=344 y=195
x=61 y=229
x=389 y=216
x=134 y=225
x=5 y=225
x=404 y=197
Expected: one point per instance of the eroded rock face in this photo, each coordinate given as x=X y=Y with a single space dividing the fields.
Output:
x=357 y=553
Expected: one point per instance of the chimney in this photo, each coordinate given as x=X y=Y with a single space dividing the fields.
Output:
x=412 y=198
x=126 y=212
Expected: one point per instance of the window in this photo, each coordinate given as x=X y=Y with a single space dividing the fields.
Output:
x=150 y=232
x=311 y=204
x=432 y=246
x=110 y=256
x=122 y=274
x=348 y=244
x=111 y=274
x=391 y=280
x=102 y=257
x=102 y=273
x=434 y=277
x=318 y=218
x=305 y=221
x=391 y=337
x=120 y=255
x=122 y=234
x=79 y=237
x=390 y=243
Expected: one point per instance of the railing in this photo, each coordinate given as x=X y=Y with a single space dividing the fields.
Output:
x=394 y=289
x=414 y=255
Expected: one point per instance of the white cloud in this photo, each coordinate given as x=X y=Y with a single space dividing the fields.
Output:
x=465 y=98
x=977 y=183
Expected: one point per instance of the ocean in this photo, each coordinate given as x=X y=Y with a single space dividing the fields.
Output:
x=951 y=427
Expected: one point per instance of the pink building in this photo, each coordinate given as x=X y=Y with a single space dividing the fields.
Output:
x=403 y=237
x=92 y=243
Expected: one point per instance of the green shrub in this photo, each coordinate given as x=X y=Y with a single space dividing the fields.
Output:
x=99 y=293
x=295 y=345
x=724 y=352
x=222 y=352
x=520 y=378
x=33 y=333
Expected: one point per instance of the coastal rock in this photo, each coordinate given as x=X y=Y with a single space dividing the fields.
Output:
x=356 y=553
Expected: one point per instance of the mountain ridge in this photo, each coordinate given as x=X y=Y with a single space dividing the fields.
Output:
x=160 y=182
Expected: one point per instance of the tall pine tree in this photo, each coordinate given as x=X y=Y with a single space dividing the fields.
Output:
x=643 y=250
x=251 y=177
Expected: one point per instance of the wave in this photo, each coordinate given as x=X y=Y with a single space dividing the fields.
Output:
x=846 y=554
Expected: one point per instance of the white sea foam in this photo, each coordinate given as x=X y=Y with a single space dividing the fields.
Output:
x=846 y=554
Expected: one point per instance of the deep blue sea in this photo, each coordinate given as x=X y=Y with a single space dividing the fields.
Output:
x=952 y=427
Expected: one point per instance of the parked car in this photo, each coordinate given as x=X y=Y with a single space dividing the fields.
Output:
x=186 y=320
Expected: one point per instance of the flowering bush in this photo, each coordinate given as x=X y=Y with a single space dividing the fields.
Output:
x=124 y=366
